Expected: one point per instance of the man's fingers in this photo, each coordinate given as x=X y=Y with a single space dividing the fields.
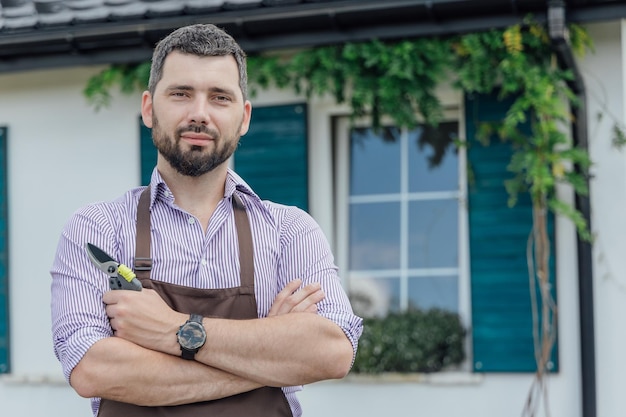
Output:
x=303 y=300
x=283 y=295
x=308 y=303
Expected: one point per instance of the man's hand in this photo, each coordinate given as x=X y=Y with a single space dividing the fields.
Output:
x=292 y=300
x=142 y=317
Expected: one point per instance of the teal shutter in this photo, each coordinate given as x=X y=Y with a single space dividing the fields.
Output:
x=272 y=156
x=500 y=290
x=147 y=152
x=5 y=365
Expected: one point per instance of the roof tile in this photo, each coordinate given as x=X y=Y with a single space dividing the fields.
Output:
x=84 y=4
x=158 y=8
x=15 y=14
x=203 y=6
x=49 y=6
x=63 y=18
x=91 y=15
x=22 y=22
x=14 y=3
x=18 y=10
x=131 y=10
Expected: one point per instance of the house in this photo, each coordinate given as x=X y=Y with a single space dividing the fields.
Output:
x=58 y=154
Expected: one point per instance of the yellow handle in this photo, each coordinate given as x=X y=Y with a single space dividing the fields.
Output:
x=126 y=272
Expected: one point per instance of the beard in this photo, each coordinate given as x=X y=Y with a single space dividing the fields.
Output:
x=196 y=161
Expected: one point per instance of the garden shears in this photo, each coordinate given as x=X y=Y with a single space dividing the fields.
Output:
x=121 y=277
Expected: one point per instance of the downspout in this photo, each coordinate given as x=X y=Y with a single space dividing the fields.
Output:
x=557 y=30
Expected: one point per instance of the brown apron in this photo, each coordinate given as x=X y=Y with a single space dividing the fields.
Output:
x=232 y=303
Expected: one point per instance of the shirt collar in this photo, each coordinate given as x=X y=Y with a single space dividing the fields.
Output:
x=234 y=182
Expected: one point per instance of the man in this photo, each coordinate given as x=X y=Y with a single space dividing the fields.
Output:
x=265 y=306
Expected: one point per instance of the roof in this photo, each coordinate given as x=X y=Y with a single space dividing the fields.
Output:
x=56 y=33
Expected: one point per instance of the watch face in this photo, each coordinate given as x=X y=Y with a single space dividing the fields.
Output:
x=191 y=335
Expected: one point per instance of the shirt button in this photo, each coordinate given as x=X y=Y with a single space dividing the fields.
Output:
x=203 y=262
x=191 y=220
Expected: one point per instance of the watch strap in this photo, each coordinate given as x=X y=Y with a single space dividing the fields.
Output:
x=195 y=317
x=187 y=354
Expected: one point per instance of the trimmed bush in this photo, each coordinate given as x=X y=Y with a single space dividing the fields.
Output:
x=411 y=341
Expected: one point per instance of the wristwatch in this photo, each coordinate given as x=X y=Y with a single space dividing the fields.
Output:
x=191 y=336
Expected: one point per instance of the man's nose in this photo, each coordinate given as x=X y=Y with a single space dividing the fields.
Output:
x=199 y=111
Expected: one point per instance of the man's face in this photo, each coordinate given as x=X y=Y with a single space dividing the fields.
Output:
x=197 y=113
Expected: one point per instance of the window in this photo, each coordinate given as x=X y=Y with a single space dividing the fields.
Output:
x=411 y=231
x=399 y=217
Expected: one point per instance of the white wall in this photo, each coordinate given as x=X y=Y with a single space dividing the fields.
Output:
x=63 y=155
x=604 y=73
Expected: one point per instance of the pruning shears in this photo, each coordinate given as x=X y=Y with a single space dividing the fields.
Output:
x=121 y=277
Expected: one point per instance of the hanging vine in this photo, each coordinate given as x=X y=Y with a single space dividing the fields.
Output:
x=399 y=79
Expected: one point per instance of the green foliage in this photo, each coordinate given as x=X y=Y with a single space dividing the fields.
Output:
x=519 y=63
x=412 y=341
x=399 y=80
x=129 y=78
x=375 y=78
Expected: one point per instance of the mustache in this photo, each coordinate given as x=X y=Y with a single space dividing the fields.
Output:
x=197 y=128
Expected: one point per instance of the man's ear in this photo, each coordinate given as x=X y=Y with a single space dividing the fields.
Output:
x=146 y=109
x=247 y=114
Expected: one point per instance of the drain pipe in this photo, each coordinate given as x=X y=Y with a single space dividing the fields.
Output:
x=558 y=36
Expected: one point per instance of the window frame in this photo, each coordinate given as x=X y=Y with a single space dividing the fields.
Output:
x=341 y=153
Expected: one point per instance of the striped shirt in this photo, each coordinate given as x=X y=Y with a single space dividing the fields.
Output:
x=288 y=244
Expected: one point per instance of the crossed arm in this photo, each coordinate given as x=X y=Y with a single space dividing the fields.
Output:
x=291 y=346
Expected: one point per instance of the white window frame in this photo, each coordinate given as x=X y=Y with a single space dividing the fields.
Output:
x=341 y=204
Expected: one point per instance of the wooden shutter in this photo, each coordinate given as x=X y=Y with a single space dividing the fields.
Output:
x=5 y=357
x=272 y=156
x=500 y=290
x=147 y=152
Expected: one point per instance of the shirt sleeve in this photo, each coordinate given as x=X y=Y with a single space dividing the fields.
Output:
x=78 y=316
x=306 y=254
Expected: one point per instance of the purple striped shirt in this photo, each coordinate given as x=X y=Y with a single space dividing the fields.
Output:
x=288 y=244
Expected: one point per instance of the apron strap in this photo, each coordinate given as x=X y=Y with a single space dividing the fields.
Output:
x=143 y=261
x=244 y=237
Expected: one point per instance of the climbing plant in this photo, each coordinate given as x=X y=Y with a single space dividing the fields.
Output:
x=399 y=80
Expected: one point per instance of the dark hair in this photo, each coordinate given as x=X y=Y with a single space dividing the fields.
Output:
x=199 y=40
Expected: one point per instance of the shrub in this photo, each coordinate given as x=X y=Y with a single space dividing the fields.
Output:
x=411 y=341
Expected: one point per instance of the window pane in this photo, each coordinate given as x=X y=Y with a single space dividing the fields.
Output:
x=433 y=159
x=430 y=292
x=374 y=162
x=374 y=236
x=433 y=234
x=375 y=297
